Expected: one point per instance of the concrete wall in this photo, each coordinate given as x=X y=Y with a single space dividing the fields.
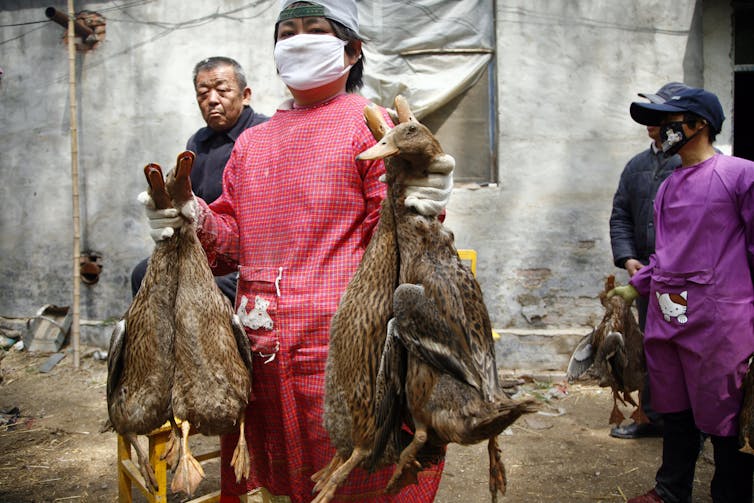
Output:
x=136 y=105
x=567 y=72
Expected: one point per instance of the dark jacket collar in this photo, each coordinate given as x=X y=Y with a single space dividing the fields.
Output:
x=206 y=133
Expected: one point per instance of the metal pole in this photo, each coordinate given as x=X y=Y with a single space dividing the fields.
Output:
x=74 y=186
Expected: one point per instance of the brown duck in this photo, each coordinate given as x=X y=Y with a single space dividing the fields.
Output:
x=613 y=353
x=212 y=382
x=436 y=369
x=140 y=359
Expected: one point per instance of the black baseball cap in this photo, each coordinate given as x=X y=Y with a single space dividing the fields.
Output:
x=694 y=100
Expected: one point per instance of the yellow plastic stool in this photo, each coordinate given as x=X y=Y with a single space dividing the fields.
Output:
x=128 y=472
x=470 y=256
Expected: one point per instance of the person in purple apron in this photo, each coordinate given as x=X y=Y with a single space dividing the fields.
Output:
x=699 y=329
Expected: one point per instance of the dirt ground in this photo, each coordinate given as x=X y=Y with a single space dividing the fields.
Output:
x=53 y=450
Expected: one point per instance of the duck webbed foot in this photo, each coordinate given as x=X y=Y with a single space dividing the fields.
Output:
x=409 y=475
x=173 y=447
x=616 y=416
x=241 y=462
x=746 y=447
x=321 y=476
x=145 y=468
x=189 y=472
x=407 y=466
x=638 y=415
x=330 y=477
x=498 y=479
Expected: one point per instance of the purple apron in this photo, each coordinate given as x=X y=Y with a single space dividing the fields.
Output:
x=700 y=322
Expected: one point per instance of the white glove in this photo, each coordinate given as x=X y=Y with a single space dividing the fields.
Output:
x=162 y=222
x=429 y=195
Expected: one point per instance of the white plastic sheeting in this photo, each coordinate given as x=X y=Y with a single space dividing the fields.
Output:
x=430 y=51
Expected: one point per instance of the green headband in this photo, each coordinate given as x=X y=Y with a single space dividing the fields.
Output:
x=302 y=11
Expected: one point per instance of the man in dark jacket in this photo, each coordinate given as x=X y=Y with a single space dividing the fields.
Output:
x=632 y=233
x=223 y=97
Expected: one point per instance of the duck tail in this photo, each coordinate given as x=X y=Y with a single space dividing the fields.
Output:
x=107 y=426
x=504 y=414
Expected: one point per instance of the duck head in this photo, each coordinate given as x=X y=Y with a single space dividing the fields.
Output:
x=410 y=140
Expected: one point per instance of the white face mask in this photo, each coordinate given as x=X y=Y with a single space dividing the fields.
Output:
x=307 y=61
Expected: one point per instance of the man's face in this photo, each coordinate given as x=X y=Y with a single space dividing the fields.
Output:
x=654 y=133
x=220 y=98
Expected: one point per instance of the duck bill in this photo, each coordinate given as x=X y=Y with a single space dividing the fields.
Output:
x=385 y=148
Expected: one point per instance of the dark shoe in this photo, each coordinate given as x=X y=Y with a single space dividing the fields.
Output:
x=650 y=497
x=636 y=430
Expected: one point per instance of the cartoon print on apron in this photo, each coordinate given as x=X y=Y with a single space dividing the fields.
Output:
x=673 y=305
x=265 y=283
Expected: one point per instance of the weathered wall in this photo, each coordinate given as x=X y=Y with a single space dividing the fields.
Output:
x=136 y=105
x=567 y=72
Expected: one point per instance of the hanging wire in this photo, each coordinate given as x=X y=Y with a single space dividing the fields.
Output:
x=22 y=35
x=23 y=24
x=192 y=23
x=124 y=5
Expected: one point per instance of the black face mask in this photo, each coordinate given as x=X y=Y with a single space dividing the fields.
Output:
x=673 y=138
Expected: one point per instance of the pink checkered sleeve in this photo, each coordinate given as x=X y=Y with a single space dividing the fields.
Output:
x=217 y=226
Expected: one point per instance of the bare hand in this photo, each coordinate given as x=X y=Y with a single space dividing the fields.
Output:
x=632 y=266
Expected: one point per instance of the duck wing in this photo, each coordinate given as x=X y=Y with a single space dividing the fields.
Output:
x=474 y=323
x=582 y=357
x=425 y=333
x=390 y=394
x=636 y=366
x=115 y=357
x=613 y=351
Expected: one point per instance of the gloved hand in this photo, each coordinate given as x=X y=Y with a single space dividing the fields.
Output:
x=429 y=195
x=628 y=292
x=162 y=222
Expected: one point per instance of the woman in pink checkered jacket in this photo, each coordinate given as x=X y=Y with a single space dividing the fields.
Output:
x=296 y=214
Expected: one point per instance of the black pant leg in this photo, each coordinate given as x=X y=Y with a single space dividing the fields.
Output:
x=642 y=304
x=680 y=448
x=732 y=481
